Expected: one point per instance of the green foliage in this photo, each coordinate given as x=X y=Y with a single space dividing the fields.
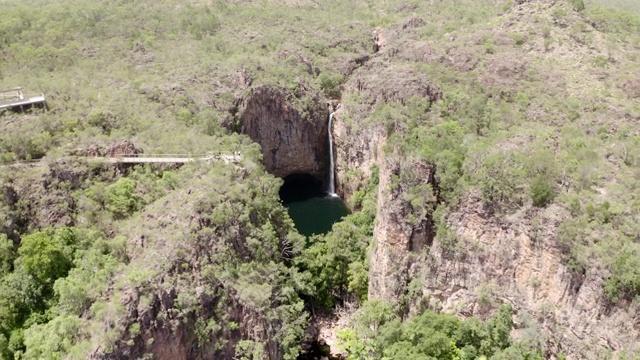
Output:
x=378 y=333
x=85 y=282
x=600 y=61
x=53 y=339
x=168 y=79
x=613 y=20
x=498 y=179
x=337 y=262
x=7 y=255
x=442 y=145
x=578 y=5
x=624 y=281
x=541 y=191
x=120 y=198
x=330 y=83
x=200 y=22
x=43 y=273
x=47 y=256
x=208 y=120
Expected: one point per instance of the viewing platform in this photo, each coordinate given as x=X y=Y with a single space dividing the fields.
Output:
x=16 y=98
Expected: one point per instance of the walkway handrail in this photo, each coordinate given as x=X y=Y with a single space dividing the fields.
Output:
x=4 y=99
x=184 y=156
x=154 y=155
x=226 y=157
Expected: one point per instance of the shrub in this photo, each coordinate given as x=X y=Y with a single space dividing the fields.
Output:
x=541 y=191
x=624 y=281
x=578 y=5
x=47 y=256
x=7 y=255
x=330 y=83
x=378 y=333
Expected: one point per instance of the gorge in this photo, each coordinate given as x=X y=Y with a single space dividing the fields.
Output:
x=473 y=195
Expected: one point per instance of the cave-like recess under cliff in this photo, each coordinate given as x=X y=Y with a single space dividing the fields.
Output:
x=293 y=140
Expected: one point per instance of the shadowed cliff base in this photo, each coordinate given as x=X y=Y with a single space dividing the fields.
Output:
x=301 y=187
x=310 y=207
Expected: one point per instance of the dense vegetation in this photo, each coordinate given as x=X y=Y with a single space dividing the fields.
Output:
x=378 y=333
x=80 y=240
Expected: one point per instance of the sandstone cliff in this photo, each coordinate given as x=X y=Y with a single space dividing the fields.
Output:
x=490 y=262
x=485 y=260
x=519 y=261
x=291 y=130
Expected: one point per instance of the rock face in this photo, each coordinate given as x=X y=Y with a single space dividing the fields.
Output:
x=489 y=263
x=293 y=136
x=395 y=237
x=356 y=154
x=358 y=142
x=482 y=262
x=204 y=293
x=519 y=262
x=378 y=83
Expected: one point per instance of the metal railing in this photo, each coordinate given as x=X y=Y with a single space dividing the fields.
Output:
x=181 y=156
x=16 y=95
x=11 y=95
x=226 y=157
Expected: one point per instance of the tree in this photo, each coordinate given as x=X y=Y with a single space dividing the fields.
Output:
x=7 y=255
x=378 y=333
x=121 y=198
x=47 y=256
x=499 y=328
x=330 y=83
x=624 y=281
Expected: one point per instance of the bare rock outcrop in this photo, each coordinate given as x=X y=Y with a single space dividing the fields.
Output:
x=379 y=83
x=357 y=152
x=208 y=284
x=484 y=261
x=358 y=142
x=113 y=149
x=291 y=130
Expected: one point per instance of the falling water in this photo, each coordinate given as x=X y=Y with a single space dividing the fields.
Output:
x=332 y=186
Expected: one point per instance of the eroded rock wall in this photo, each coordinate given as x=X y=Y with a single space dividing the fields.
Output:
x=356 y=152
x=397 y=240
x=486 y=260
x=519 y=261
x=292 y=131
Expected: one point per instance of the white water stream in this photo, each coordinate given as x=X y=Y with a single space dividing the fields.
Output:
x=332 y=185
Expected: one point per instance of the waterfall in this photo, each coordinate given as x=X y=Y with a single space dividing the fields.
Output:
x=332 y=185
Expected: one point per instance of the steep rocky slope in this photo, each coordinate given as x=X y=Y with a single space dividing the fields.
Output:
x=485 y=258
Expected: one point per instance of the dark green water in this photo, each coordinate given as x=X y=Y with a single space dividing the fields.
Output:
x=310 y=208
x=316 y=215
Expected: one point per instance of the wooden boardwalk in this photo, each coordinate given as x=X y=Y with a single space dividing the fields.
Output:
x=169 y=158
x=16 y=98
